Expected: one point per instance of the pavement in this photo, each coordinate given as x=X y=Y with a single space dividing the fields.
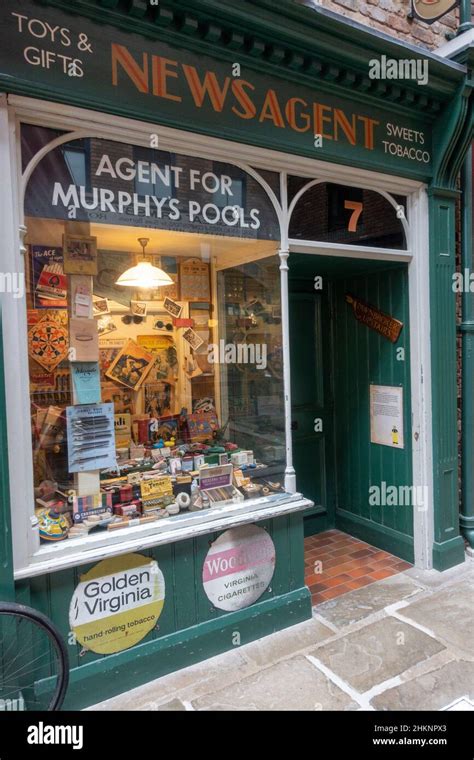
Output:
x=403 y=643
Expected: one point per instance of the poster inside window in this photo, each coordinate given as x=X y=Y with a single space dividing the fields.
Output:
x=154 y=337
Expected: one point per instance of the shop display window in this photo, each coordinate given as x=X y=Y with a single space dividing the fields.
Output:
x=154 y=338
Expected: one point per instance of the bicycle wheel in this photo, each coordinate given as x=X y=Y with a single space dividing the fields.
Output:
x=34 y=668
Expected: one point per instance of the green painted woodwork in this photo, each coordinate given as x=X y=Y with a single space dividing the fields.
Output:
x=448 y=547
x=189 y=629
x=452 y=137
x=363 y=357
x=280 y=37
x=338 y=354
x=6 y=551
x=115 y=674
x=289 y=74
x=467 y=336
x=311 y=399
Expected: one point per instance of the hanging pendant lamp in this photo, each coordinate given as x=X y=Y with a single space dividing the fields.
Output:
x=144 y=274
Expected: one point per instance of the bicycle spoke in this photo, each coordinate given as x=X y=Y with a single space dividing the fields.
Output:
x=33 y=658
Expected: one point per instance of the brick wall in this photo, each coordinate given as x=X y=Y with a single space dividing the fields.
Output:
x=390 y=16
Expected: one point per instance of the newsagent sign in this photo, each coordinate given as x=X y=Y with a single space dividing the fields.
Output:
x=72 y=59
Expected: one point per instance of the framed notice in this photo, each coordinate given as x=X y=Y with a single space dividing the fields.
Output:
x=194 y=280
x=386 y=416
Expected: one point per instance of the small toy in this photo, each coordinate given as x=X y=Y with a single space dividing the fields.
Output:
x=52 y=526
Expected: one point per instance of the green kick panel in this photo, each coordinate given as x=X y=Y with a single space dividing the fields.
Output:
x=190 y=629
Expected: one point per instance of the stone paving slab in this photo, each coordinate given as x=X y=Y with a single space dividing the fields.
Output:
x=449 y=614
x=289 y=685
x=433 y=579
x=272 y=648
x=377 y=652
x=359 y=604
x=172 y=706
x=432 y=691
x=202 y=678
x=273 y=674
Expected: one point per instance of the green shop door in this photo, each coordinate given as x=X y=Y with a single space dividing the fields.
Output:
x=311 y=399
x=358 y=486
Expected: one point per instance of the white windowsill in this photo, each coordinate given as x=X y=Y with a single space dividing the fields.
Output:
x=186 y=525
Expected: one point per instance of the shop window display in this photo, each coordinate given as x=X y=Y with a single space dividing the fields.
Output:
x=164 y=396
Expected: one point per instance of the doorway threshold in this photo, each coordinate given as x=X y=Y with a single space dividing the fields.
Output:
x=337 y=563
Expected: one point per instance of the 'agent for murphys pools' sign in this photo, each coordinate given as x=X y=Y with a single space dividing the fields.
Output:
x=117 y=603
x=238 y=567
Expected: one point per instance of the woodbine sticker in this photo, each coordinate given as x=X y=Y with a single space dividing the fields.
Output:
x=238 y=567
x=117 y=603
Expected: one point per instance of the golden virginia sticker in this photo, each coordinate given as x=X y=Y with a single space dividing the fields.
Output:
x=117 y=603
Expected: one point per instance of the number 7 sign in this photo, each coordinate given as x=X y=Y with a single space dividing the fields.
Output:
x=356 y=208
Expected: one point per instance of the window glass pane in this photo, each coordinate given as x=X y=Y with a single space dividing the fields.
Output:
x=156 y=399
x=346 y=215
x=250 y=314
x=76 y=163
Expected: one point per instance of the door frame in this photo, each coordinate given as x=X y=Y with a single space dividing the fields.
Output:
x=420 y=356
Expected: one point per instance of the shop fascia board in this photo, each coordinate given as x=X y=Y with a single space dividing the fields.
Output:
x=186 y=526
x=254 y=35
x=313 y=30
x=404 y=98
x=207 y=134
x=132 y=131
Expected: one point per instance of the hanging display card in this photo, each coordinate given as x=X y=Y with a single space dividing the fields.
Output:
x=90 y=437
x=80 y=254
x=81 y=287
x=386 y=416
x=86 y=379
x=194 y=280
x=83 y=340
x=172 y=307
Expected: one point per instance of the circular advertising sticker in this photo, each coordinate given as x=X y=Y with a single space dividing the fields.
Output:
x=117 y=603
x=238 y=567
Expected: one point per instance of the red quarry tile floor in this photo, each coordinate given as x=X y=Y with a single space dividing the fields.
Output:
x=336 y=563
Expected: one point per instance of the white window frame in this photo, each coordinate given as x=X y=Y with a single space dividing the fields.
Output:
x=30 y=558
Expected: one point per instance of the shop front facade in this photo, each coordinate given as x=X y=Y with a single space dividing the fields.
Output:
x=282 y=356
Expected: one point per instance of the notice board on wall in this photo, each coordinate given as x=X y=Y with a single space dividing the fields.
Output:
x=386 y=416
